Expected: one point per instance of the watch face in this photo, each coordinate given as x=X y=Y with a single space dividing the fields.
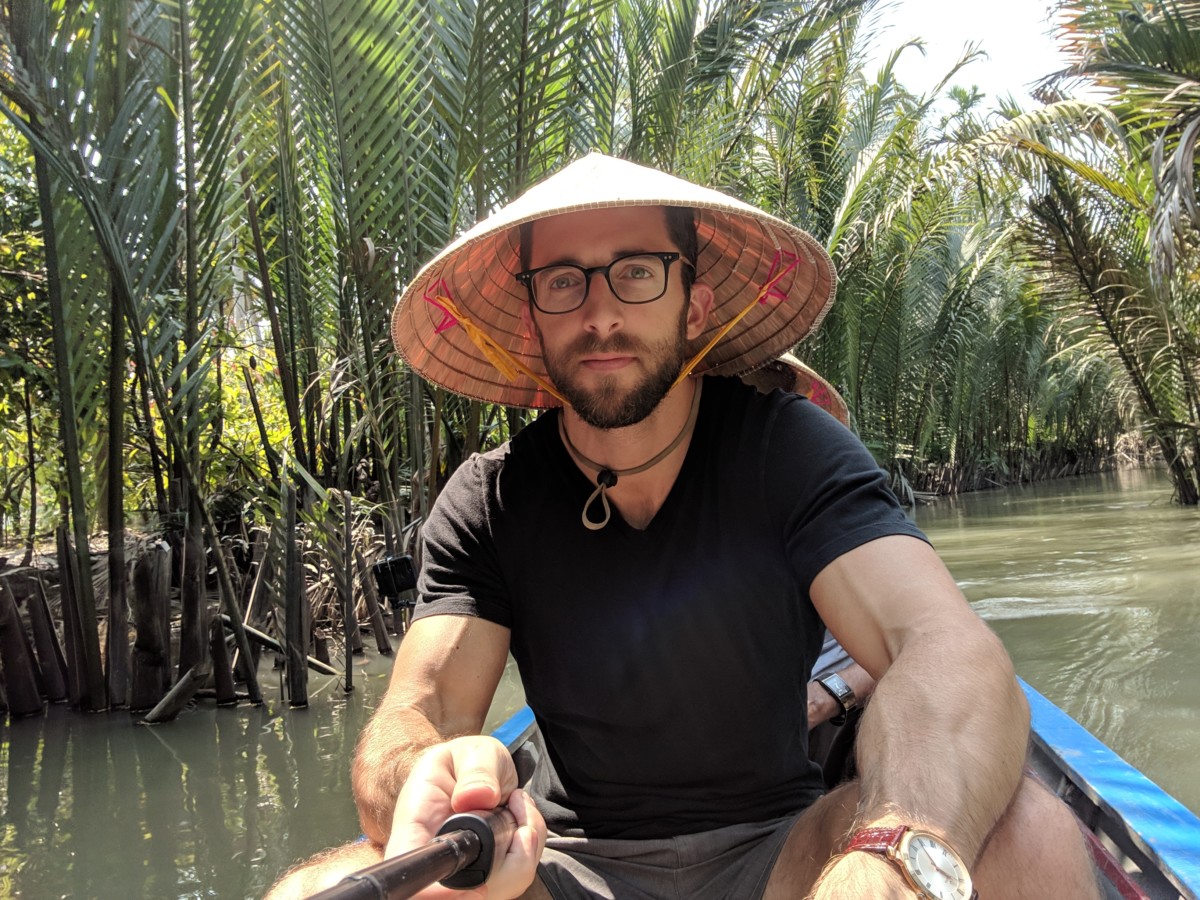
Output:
x=934 y=868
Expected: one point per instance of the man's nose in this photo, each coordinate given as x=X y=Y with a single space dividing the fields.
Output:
x=602 y=311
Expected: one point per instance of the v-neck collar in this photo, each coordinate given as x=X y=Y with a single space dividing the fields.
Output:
x=577 y=481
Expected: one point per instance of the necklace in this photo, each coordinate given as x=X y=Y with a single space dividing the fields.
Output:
x=607 y=478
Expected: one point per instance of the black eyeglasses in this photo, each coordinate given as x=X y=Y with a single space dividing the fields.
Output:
x=636 y=278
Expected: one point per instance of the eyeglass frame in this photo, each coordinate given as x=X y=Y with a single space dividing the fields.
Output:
x=666 y=257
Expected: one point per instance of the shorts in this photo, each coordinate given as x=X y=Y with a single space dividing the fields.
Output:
x=730 y=863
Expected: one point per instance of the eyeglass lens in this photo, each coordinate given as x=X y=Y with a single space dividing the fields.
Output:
x=633 y=279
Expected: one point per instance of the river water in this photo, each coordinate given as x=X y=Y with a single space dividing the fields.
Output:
x=1094 y=586
x=1092 y=583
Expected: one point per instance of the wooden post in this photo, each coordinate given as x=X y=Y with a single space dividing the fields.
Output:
x=177 y=698
x=24 y=698
x=294 y=600
x=373 y=611
x=151 y=653
x=346 y=589
x=222 y=671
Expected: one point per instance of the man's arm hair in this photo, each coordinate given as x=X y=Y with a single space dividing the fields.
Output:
x=943 y=740
x=441 y=687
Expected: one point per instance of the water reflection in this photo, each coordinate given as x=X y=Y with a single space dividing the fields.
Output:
x=216 y=804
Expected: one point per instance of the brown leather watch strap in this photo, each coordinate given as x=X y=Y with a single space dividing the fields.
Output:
x=876 y=840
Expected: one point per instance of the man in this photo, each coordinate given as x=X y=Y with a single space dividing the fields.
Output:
x=659 y=557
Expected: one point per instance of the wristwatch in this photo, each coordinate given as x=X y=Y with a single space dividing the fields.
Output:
x=933 y=870
x=836 y=685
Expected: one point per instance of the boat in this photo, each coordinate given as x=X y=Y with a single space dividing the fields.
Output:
x=1145 y=843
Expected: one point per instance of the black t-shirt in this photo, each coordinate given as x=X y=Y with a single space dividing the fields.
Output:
x=666 y=667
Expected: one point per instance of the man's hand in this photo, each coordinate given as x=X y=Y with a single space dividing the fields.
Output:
x=463 y=775
x=821 y=705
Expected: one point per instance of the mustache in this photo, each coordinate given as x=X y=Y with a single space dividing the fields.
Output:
x=590 y=343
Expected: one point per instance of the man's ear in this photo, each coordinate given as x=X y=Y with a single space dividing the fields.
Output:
x=700 y=304
x=527 y=320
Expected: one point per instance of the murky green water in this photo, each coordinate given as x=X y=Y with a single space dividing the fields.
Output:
x=1093 y=584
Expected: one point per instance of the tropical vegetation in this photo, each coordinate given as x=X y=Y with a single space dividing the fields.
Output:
x=209 y=207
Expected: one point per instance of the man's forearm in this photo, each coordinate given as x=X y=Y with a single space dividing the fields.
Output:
x=390 y=745
x=943 y=741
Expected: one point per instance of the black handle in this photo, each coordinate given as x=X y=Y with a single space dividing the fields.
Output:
x=461 y=856
x=494 y=828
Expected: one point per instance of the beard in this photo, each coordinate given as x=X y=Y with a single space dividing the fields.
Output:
x=608 y=405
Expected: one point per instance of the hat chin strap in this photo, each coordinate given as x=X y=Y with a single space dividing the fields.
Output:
x=767 y=287
x=509 y=366
x=502 y=361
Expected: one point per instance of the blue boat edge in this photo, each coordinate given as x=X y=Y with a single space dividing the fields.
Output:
x=1137 y=815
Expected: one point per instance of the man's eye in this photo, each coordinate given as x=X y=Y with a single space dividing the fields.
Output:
x=636 y=271
x=562 y=281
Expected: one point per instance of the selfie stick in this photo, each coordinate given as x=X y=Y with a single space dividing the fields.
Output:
x=461 y=856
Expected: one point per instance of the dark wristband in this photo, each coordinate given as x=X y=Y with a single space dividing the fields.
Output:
x=837 y=688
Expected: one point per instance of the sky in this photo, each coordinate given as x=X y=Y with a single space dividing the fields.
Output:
x=1016 y=35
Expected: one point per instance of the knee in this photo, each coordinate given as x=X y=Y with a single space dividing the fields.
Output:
x=1035 y=823
x=1037 y=836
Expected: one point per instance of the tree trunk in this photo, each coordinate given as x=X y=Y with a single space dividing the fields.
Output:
x=192 y=630
x=117 y=643
x=93 y=694
x=69 y=607
x=222 y=671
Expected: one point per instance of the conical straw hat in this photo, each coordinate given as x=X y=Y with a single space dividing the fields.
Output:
x=458 y=322
x=789 y=374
